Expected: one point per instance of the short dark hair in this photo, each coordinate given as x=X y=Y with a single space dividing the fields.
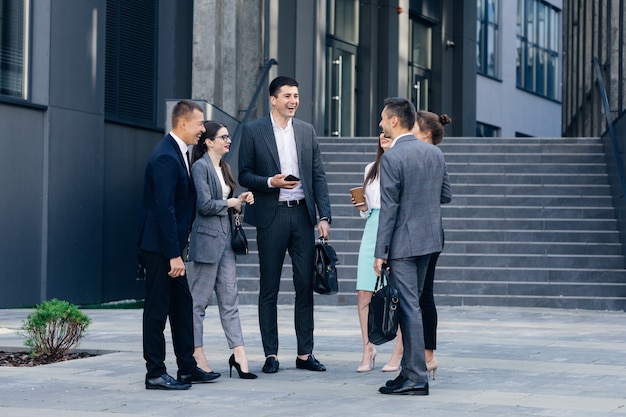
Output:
x=183 y=109
x=278 y=82
x=403 y=109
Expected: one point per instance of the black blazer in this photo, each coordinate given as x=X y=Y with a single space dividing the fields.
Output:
x=258 y=160
x=169 y=200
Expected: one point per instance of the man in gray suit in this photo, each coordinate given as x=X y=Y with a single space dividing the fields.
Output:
x=413 y=183
x=280 y=162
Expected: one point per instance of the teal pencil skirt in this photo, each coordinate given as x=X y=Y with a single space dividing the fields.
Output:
x=365 y=276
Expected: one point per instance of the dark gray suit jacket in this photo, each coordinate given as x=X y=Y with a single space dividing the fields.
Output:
x=413 y=184
x=258 y=160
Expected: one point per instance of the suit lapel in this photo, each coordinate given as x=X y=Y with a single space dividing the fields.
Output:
x=176 y=149
x=181 y=157
x=213 y=180
x=298 y=134
x=270 y=141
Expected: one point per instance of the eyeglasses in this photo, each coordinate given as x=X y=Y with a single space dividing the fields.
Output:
x=225 y=138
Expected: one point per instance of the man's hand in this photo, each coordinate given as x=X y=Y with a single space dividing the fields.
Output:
x=278 y=181
x=177 y=267
x=378 y=264
x=323 y=229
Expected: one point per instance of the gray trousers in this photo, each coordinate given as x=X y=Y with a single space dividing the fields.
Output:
x=408 y=275
x=221 y=278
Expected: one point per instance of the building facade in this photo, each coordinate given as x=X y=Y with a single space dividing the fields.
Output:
x=593 y=29
x=84 y=88
x=518 y=68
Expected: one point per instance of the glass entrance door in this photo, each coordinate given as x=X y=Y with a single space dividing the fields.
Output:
x=420 y=63
x=419 y=89
x=340 y=84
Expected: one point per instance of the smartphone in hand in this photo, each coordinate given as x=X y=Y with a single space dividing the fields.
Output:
x=291 y=178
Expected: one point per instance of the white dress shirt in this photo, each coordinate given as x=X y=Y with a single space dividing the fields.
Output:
x=288 y=156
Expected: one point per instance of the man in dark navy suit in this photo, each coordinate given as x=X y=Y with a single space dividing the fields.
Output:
x=167 y=213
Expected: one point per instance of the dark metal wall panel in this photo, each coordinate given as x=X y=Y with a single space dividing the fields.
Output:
x=126 y=153
x=21 y=203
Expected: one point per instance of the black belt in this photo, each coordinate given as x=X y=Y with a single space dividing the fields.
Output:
x=290 y=203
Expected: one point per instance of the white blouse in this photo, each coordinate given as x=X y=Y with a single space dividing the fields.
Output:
x=372 y=193
x=225 y=188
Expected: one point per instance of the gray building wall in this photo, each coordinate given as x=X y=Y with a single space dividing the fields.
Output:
x=71 y=181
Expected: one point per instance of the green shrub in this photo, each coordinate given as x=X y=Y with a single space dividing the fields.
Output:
x=54 y=328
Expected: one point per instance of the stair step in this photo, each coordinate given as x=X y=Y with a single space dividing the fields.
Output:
x=531 y=223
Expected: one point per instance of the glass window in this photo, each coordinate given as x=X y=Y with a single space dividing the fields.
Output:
x=484 y=130
x=487 y=34
x=538 y=31
x=14 y=48
x=420 y=44
x=343 y=18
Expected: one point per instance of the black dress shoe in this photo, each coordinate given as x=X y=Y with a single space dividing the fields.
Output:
x=310 y=363
x=271 y=365
x=165 y=381
x=408 y=387
x=197 y=376
x=397 y=381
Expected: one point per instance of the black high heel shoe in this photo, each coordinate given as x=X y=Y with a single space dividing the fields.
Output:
x=243 y=375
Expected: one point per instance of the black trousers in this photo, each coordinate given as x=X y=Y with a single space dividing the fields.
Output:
x=291 y=230
x=427 y=305
x=166 y=297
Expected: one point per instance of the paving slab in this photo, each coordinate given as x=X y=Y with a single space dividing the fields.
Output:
x=493 y=361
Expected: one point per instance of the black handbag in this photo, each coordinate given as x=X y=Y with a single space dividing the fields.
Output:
x=382 y=319
x=325 y=272
x=239 y=241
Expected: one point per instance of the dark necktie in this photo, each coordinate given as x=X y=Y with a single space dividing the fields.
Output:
x=188 y=162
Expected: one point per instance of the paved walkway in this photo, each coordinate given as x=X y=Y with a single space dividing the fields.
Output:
x=493 y=362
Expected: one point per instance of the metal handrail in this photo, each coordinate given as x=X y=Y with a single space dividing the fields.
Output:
x=266 y=72
x=609 y=123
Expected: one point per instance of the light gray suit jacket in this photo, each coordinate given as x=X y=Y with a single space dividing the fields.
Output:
x=413 y=184
x=211 y=227
x=258 y=160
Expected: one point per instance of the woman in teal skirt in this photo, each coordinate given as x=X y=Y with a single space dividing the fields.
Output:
x=366 y=278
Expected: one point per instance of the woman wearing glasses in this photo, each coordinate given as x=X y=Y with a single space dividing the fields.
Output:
x=212 y=264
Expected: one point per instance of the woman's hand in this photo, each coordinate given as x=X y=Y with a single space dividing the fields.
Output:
x=234 y=203
x=363 y=207
x=246 y=197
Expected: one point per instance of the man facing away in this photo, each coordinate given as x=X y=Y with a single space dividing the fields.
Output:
x=273 y=148
x=413 y=183
x=167 y=213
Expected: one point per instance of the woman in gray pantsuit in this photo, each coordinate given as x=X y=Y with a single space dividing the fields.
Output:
x=212 y=260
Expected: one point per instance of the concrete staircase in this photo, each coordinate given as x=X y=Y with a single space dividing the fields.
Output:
x=531 y=224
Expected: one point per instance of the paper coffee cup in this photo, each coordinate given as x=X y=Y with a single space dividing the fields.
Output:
x=359 y=195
